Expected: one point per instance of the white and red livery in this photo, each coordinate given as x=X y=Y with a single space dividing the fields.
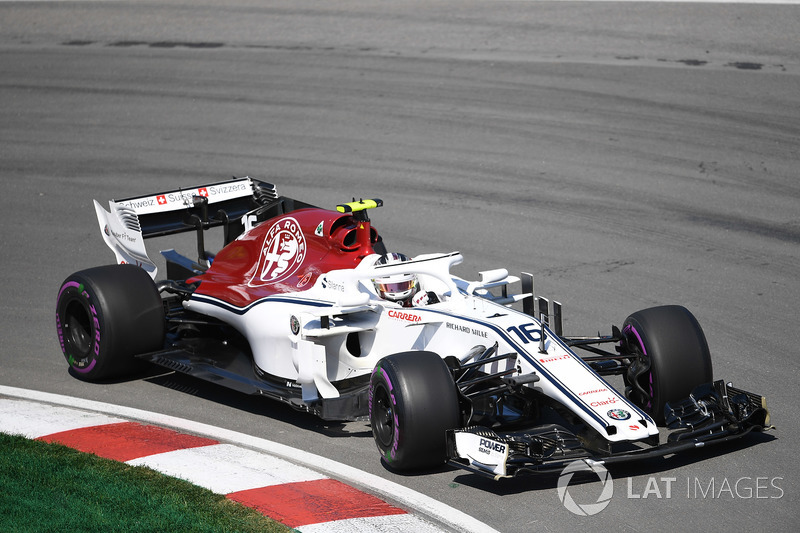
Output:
x=482 y=375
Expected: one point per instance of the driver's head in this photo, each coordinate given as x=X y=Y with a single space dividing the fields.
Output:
x=396 y=287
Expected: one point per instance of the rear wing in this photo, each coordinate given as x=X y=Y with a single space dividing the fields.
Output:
x=214 y=204
x=237 y=205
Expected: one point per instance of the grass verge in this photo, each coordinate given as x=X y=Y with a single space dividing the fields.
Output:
x=54 y=488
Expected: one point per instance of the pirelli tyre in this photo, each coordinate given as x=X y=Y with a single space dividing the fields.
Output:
x=105 y=316
x=671 y=357
x=412 y=402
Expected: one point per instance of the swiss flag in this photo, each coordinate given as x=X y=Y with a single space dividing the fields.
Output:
x=202 y=191
x=162 y=200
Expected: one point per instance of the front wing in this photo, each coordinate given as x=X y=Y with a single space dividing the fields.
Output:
x=714 y=413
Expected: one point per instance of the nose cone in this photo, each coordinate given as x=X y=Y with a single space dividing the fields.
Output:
x=630 y=425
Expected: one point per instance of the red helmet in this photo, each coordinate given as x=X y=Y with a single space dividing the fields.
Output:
x=396 y=287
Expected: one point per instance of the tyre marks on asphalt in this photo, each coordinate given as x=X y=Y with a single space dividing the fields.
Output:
x=295 y=495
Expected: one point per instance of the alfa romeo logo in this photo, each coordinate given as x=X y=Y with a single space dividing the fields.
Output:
x=619 y=414
x=282 y=253
x=585 y=509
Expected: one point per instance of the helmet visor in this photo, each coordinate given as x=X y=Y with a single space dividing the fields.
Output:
x=399 y=287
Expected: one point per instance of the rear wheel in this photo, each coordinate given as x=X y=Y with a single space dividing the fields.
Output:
x=105 y=316
x=670 y=357
x=412 y=402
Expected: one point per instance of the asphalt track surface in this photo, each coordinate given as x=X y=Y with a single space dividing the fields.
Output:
x=629 y=154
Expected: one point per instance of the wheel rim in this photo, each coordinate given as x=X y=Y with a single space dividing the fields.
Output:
x=78 y=328
x=383 y=417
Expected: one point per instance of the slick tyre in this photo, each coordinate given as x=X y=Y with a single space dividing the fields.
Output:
x=105 y=316
x=671 y=357
x=412 y=402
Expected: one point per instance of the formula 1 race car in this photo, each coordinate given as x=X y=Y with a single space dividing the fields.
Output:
x=305 y=305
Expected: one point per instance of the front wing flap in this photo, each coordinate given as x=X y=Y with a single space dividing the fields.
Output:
x=714 y=413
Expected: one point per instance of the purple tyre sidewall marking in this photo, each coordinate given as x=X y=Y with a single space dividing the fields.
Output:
x=391 y=453
x=68 y=285
x=86 y=369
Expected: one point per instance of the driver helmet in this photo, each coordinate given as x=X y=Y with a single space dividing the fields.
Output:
x=397 y=287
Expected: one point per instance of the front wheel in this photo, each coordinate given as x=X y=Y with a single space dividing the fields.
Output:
x=412 y=402
x=670 y=357
x=105 y=316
